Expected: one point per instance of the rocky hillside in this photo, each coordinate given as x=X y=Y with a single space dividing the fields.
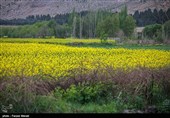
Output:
x=10 y=9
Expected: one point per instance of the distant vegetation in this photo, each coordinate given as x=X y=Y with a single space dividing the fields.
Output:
x=158 y=32
x=91 y=25
x=147 y=17
x=150 y=17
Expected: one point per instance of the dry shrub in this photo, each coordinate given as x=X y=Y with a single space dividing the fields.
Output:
x=28 y=84
x=137 y=82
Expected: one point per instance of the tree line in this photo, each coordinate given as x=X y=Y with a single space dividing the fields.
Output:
x=157 y=32
x=93 y=24
x=60 y=19
x=149 y=17
x=78 y=25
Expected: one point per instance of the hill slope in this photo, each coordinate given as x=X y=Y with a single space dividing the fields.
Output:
x=10 y=9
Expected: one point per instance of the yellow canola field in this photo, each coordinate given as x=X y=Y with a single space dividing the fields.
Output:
x=31 y=59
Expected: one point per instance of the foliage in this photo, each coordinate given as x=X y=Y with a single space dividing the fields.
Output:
x=129 y=26
x=153 y=32
x=122 y=16
x=109 y=26
x=78 y=25
x=103 y=38
x=62 y=31
x=37 y=30
x=127 y=22
x=149 y=17
x=165 y=106
x=113 y=24
x=85 y=93
x=167 y=29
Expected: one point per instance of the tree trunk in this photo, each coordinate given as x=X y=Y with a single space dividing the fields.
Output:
x=81 y=28
x=163 y=33
x=74 y=27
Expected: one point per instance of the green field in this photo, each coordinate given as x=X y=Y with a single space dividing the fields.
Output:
x=94 y=43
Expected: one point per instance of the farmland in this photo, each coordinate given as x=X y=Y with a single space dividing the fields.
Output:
x=32 y=59
x=87 y=68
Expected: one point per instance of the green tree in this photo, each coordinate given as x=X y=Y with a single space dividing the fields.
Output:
x=103 y=37
x=116 y=26
x=127 y=23
x=109 y=26
x=52 y=25
x=63 y=31
x=153 y=32
x=122 y=16
x=129 y=26
x=167 y=29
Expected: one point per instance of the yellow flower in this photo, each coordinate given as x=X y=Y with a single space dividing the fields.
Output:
x=37 y=59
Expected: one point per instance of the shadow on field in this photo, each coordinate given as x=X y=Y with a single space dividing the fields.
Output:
x=80 y=44
x=111 y=45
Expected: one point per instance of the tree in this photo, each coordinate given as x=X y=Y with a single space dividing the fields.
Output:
x=167 y=29
x=153 y=32
x=122 y=16
x=116 y=24
x=74 y=27
x=127 y=23
x=63 y=31
x=52 y=25
x=106 y=27
x=81 y=26
x=109 y=26
x=103 y=37
x=129 y=26
x=137 y=17
x=44 y=31
x=89 y=23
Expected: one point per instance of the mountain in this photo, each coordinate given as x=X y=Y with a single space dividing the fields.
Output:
x=10 y=9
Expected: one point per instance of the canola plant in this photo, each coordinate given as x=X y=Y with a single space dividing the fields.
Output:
x=30 y=59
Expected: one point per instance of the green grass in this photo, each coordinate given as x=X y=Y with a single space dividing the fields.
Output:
x=158 y=47
x=95 y=43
